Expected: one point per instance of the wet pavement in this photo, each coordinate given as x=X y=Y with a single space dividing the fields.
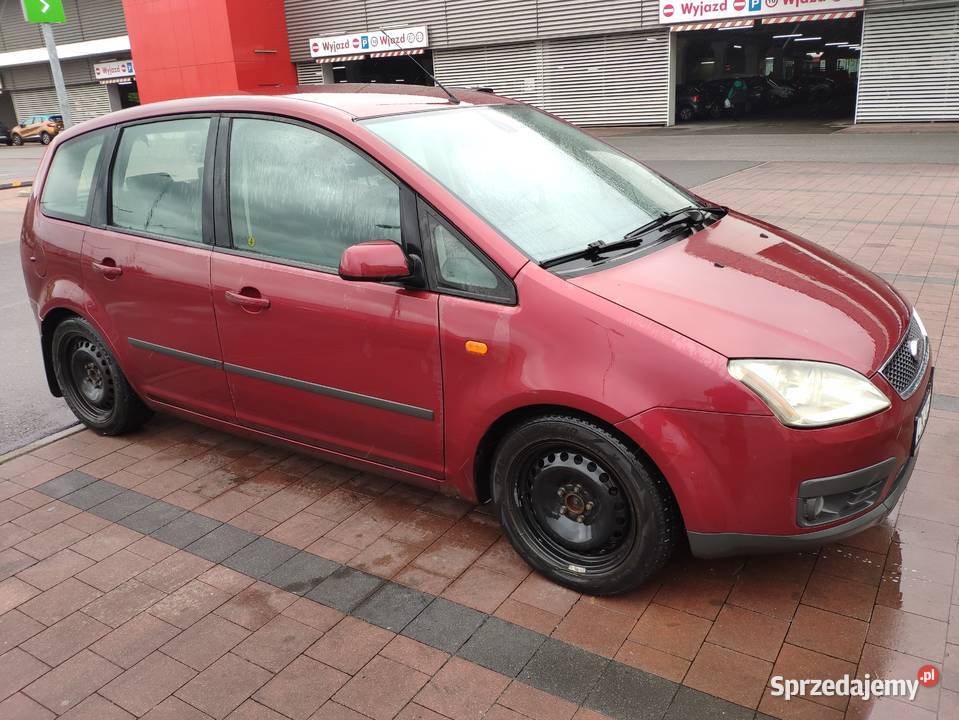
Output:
x=179 y=572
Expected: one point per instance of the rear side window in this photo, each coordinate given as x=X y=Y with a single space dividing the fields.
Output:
x=67 y=190
x=298 y=194
x=157 y=183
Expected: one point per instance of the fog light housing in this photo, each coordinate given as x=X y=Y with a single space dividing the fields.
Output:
x=812 y=507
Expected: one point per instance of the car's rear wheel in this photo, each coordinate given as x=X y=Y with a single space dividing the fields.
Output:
x=582 y=506
x=91 y=381
x=45 y=138
x=17 y=139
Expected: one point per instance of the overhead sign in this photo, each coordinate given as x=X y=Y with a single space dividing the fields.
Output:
x=675 y=11
x=375 y=41
x=115 y=69
x=43 y=11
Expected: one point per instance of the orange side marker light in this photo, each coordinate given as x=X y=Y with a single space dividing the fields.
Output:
x=476 y=348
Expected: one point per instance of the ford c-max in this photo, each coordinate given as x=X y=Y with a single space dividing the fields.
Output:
x=471 y=295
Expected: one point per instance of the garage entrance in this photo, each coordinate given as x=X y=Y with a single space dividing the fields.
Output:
x=374 y=69
x=778 y=67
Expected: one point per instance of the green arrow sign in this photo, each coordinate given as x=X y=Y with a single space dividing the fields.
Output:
x=43 y=11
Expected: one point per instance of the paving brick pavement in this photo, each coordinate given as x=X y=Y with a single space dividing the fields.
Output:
x=183 y=573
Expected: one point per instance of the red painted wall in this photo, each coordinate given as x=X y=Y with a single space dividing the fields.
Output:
x=186 y=48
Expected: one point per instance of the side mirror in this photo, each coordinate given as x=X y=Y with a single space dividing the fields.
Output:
x=375 y=261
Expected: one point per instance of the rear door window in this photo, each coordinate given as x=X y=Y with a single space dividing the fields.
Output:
x=67 y=190
x=157 y=182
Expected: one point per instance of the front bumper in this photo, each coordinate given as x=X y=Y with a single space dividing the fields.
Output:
x=710 y=545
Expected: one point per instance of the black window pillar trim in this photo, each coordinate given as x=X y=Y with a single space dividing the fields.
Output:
x=220 y=192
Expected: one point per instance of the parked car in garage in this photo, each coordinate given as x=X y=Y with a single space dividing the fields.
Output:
x=466 y=293
x=5 y=136
x=37 y=128
x=689 y=103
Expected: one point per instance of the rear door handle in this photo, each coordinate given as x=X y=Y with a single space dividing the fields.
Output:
x=247 y=301
x=109 y=270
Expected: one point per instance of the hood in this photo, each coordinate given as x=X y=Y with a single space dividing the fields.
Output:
x=746 y=289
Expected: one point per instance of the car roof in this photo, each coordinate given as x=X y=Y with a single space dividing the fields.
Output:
x=354 y=101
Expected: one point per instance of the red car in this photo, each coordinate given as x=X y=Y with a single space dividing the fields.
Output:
x=471 y=295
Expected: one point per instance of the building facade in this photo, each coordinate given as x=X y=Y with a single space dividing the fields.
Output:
x=94 y=35
x=594 y=62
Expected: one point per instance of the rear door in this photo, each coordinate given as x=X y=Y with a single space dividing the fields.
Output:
x=146 y=262
x=349 y=366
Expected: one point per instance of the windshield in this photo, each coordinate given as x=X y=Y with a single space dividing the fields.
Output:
x=547 y=187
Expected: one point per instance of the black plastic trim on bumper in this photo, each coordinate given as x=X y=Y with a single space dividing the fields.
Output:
x=710 y=545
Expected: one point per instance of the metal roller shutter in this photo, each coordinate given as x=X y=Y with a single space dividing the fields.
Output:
x=309 y=73
x=515 y=71
x=477 y=22
x=610 y=80
x=910 y=66
x=388 y=14
x=86 y=101
x=563 y=18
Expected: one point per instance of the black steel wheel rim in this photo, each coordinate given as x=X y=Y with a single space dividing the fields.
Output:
x=574 y=507
x=89 y=379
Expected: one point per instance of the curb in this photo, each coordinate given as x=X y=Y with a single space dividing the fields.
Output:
x=30 y=447
x=16 y=184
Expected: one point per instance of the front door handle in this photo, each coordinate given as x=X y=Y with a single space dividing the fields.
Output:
x=108 y=268
x=246 y=299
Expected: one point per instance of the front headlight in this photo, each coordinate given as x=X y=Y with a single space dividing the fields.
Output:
x=806 y=394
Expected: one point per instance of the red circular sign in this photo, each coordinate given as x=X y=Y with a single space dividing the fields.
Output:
x=668 y=10
x=316 y=47
x=739 y=5
x=356 y=42
x=928 y=676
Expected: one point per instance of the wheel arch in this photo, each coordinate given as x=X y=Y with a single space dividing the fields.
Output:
x=482 y=463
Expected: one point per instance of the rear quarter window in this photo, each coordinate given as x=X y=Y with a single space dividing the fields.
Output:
x=68 y=188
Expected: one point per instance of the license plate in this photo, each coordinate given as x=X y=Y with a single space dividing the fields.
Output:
x=922 y=419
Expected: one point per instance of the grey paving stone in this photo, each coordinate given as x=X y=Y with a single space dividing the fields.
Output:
x=945 y=402
x=445 y=625
x=301 y=573
x=564 y=670
x=122 y=505
x=220 y=544
x=92 y=494
x=65 y=484
x=626 y=693
x=260 y=557
x=689 y=704
x=345 y=589
x=152 y=517
x=501 y=646
x=186 y=529
x=393 y=606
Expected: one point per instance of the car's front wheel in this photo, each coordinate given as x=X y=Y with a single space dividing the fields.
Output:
x=582 y=506
x=45 y=138
x=17 y=139
x=91 y=381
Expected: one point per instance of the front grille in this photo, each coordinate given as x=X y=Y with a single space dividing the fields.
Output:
x=904 y=370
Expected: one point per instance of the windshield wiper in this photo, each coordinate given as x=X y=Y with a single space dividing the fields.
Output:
x=689 y=217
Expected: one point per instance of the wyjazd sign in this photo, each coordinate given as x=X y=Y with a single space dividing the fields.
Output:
x=110 y=70
x=673 y=11
x=370 y=42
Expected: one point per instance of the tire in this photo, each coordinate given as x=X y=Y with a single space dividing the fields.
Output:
x=686 y=114
x=17 y=140
x=551 y=472
x=92 y=383
x=45 y=138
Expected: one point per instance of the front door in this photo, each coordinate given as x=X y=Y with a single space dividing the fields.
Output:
x=351 y=367
x=148 y=267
